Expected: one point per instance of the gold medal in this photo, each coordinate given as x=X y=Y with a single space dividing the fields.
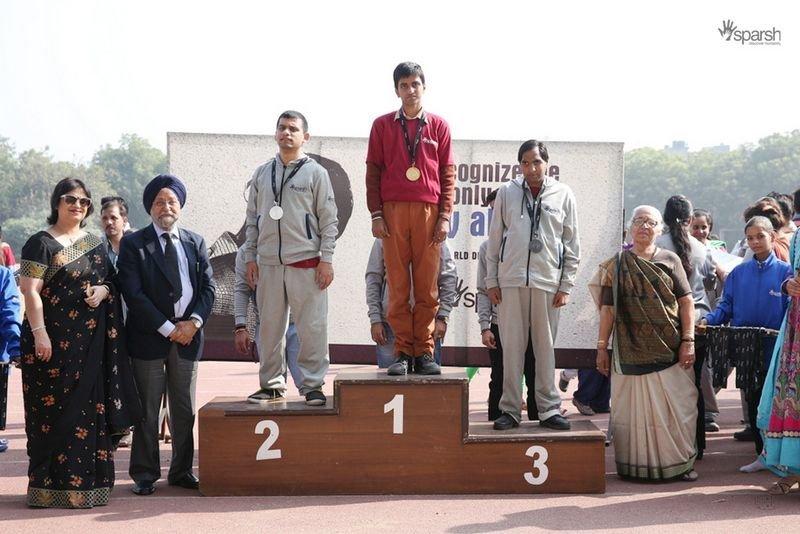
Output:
x=413 y=174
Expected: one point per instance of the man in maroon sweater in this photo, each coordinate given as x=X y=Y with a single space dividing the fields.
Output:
x=410 y=181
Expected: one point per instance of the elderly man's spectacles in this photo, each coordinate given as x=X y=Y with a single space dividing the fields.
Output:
x=647 y=223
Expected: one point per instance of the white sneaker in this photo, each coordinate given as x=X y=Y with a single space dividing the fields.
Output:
x=754 y=467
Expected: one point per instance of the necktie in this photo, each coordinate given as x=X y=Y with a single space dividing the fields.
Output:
x=173 y=271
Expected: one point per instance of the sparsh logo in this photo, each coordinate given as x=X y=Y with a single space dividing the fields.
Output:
x=730 y=31
x=727 y=29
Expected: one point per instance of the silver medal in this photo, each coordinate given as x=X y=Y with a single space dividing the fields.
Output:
x=536 y=245
x=275 y=213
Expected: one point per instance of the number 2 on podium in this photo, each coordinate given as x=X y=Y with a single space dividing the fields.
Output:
x=264 y=451
x=395 y=405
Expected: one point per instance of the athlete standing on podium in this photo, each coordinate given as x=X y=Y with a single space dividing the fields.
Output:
x=410 y=183
x=531 y=262
x=292 y=225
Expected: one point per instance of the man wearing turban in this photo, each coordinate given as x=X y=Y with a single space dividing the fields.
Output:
x=165 y=278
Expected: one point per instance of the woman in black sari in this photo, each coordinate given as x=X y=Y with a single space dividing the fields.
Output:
x=75 y=373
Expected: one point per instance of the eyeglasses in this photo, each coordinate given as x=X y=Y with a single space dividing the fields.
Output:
x=647 y=223
x=84 y=202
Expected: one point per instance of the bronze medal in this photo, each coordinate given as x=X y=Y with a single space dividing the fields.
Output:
x=413 y=174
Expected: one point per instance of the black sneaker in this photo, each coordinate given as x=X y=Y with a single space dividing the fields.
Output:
x=746 y=434
x=505 y=422
x=401 y=365
x=265 y=395
x=556 y=422
x=426 y=365
x=563 y=383
x=316 y=398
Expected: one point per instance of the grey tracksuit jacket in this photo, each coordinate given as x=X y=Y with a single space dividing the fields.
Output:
x=487 y=312
x=309 y=224
x=509 y=262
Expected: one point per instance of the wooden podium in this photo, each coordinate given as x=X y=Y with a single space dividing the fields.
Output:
x=389 y=435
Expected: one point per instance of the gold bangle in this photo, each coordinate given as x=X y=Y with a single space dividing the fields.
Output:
x=602 y=344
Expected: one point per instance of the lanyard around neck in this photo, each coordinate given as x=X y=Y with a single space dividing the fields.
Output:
x=279 y=194
x=412 y=150
x=535 y=211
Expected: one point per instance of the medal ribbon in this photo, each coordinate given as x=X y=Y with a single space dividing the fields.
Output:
x=412 y=150
x=279 y=196
x=535 y=211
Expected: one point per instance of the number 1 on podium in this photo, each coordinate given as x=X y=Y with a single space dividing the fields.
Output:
x=395 y=405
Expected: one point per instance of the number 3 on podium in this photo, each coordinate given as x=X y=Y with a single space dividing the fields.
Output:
x=539 y=455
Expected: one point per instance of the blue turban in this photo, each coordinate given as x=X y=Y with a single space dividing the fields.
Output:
x=160 y=182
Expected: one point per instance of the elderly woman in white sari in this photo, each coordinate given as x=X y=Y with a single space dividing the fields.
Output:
x=645 y=300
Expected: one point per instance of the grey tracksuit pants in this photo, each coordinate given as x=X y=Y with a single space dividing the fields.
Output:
x=280 y=288
x=524 y=309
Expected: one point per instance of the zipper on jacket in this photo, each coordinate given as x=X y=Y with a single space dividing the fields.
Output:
x=308 y=225
x=528 y=268
x=280 y=241
x=503 y=248
x=560 y=255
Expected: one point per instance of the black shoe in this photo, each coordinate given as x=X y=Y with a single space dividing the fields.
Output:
x=746 y=434
x=712 y=426
x=188 y=481
x=583 y=409
x=563 y=383
x=144 y=488
x=264 y=396
x=401 y=365
x=426 y=365
x=316 y=398
x=556 y=422
x=505 y=422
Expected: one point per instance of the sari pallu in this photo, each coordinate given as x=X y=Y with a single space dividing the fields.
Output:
x=653 y=400
x=76 y=402
x=779 y=407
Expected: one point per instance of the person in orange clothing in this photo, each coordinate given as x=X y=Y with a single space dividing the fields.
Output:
x=410 y=183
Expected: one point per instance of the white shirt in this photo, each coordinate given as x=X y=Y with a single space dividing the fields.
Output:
x=187 y=292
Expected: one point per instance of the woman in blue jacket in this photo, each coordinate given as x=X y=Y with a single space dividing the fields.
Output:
x=752 y=297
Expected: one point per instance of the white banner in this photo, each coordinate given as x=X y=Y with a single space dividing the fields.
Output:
x=216 y=169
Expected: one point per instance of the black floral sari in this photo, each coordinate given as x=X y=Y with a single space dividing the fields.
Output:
x=80 y=400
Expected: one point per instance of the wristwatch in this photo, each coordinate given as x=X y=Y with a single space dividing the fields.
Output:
x=197 y=322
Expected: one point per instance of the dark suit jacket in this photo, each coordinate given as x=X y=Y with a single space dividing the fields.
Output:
x=148 y=293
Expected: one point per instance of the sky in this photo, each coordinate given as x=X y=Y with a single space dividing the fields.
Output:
x=77 y=75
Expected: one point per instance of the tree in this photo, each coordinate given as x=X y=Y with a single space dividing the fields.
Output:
x=27 y=180
x=724 y=183
x=128 y=168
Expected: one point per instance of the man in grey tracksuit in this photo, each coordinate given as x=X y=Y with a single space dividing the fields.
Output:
x=531 y=262
x=378 y=302
x=291 y=233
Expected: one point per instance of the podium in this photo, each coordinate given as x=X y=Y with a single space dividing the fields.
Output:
x=381 y=434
